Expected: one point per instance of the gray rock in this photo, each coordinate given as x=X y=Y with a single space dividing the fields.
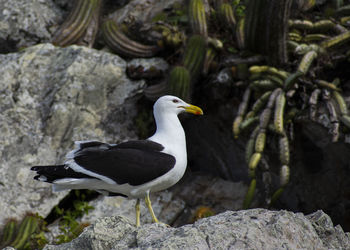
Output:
x=147 y=68
x=166 y=207
x=147 y=63
x=8 y=248
x=27 y=22
x=178 y=205
x=332 y=237
x=246 y=229
x=141 y=10
x=50 y=97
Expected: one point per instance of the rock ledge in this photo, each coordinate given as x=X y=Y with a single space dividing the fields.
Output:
x=246 y=229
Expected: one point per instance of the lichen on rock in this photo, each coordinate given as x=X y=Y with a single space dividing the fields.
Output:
x=50 y=97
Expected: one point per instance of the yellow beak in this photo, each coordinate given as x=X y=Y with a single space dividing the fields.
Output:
x=193 y=109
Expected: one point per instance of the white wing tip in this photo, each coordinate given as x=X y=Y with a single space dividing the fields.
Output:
x=42 y=178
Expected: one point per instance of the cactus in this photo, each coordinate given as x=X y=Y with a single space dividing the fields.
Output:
x=315 y=38
x=260 y=141
x=343 y=10
x=256 y=70
x=236 y=126
x=28 y=226
x=248 y=122
x=240 y=37
x=284 y=150
x=242 y=109
x=276 y=195
x=250 y=146
x=197 y=17
x=284 y=175
x=300 y=24
x=327 y=85
x=279 y=111
x=171 y=36
x=250 y=194
x=264 y=84
x=194 y=55
x=253 y=163
x=122 y=45
x=336 y=41
x=341 y=103
x=180 y=83
x=291 y=79
x=209 y=58
x=227 y=16
x=259 y=103
x=266 y=27
x=9 y=233
x=306 y=4
x=77 y=22
x=265 y=118
x=306 y=61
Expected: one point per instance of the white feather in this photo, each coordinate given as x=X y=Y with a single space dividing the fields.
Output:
x=42 y=178
x=77 y=168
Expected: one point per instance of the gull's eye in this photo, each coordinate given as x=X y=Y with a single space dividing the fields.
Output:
x=175 y=101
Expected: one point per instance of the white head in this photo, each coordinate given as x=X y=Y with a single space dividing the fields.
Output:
x=172 y=104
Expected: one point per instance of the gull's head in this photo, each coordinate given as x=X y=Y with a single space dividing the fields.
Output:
x=173 y=104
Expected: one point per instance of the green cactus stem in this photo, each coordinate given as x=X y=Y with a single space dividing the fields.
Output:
x=279 y=113
x=250 y=194
x=180 y=83
x=227 y=16
x=194 y=55
x=9 y=233
x=336 y=41
x=122 y=45
x=76 y=23
x=306 y=61
x=28 y=226
x=197 y=18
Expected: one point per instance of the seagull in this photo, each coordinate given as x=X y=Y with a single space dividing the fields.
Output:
x=132 y=169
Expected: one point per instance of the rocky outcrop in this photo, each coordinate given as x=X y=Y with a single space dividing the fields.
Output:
x=27 y=22
x=141 y=10
x=50 y=97
x=177 y=206
x=248 y=229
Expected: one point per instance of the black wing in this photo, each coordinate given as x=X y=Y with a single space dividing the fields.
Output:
x=133 y=162
x=56 y=172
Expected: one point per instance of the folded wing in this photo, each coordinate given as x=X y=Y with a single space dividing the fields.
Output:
x=133 y=162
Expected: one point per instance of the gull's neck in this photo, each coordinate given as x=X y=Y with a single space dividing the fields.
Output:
x=169 y=130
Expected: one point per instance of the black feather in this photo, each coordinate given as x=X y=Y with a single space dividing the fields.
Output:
x=133 y=162
x=56 y=172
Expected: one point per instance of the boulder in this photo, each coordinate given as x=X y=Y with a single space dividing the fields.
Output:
x=27 y=22
x=246 y=229
x=141 y=10
x=49 y=98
